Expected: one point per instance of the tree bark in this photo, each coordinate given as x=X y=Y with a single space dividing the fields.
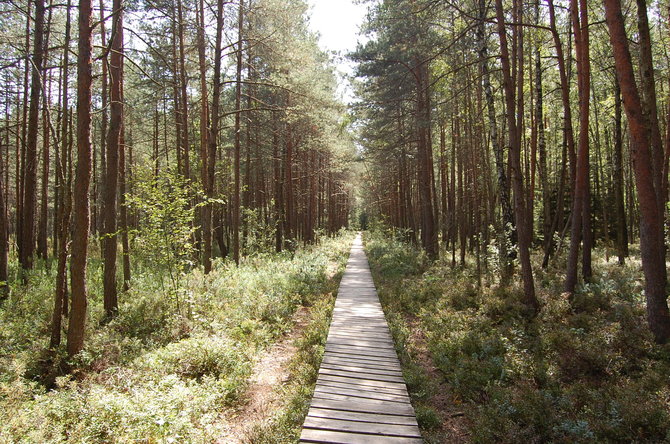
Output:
x=581 y=215
x=112 y=173
x=620 y=210
x=76 y=327
x=4 y=240
x=541 y=140
x=209 y=158
x=515 y=165
x=236 y=166
x=652 y=242
x=184 y=94
x=508 y=226
x=27 y=244
x=64 y=200
x=425 y=164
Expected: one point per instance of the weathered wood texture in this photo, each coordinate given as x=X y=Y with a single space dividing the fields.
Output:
x=360 y=395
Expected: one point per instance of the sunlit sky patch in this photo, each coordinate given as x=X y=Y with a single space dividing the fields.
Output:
x=337 y=22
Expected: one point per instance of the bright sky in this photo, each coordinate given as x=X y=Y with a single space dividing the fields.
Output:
x=337 y=22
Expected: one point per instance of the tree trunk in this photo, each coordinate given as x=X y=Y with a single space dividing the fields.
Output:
x=4 y=241
x=425 y=165
x=123 y=209
x=541 y=141
x=620 y=210
x=236 y=166
x=209 y=157
x=278 y=191
x=581 y=215
x=515 y=165
x=205 y=216
x=569 y=143
x=75 y=334
x=27 y=244
x=64 y=200
x=652 y=242
x=112 y=174
x=184 y=93
x=508 y=226
x=104 y=117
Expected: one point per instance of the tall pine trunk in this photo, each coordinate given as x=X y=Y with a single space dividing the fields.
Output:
x=523 y=225
x=509 y=239
x=81 y=220
x=112 y=173
x=652 y=242
x=27 y=244
x=581 y=214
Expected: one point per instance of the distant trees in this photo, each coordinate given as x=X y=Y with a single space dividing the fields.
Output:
x=530 y=148
x=268 y=148
x=401 y=56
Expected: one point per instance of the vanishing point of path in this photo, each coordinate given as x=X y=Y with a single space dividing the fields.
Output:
x=360 y=394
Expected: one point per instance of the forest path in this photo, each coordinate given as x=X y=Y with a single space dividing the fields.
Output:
x=360 y=394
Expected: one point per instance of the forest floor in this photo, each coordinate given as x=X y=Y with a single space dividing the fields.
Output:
x=480 y=369
x=231 y=354
x=271 y=371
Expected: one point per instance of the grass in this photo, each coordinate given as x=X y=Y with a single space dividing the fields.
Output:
x=168 y=366
x=584 y=370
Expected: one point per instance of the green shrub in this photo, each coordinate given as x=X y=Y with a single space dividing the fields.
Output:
x=584 y=370
x=158 y=372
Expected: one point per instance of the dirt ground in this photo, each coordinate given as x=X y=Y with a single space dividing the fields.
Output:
x=262 y=398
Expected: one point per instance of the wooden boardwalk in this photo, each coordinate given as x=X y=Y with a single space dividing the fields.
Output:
x=360 y=394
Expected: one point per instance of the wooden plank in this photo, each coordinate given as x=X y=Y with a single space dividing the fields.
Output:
x=360 y=344
x=354 y=355
x=362 y=329
x=362 y=427
x=327 y=436
x=361 y=370
x=361 y=375
x=379 y=335
x=371 y=406
x=330 y=359
x=371 y=335
x=322 y=394
x=364 y=382
x=379 y=418
x=350 y=340
x=381 y=355
x=369 y=394
x=362 y=350
x=399 y=389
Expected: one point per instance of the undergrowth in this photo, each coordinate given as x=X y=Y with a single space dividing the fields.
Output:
x=285 y=425
x=168 y=366
x=584 y=370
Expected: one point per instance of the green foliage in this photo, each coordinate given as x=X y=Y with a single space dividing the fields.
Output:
x=427 y=418
x=584 y=370
x=153 y=374
x=166 y=210
x=286 y=424
x=260 y=232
